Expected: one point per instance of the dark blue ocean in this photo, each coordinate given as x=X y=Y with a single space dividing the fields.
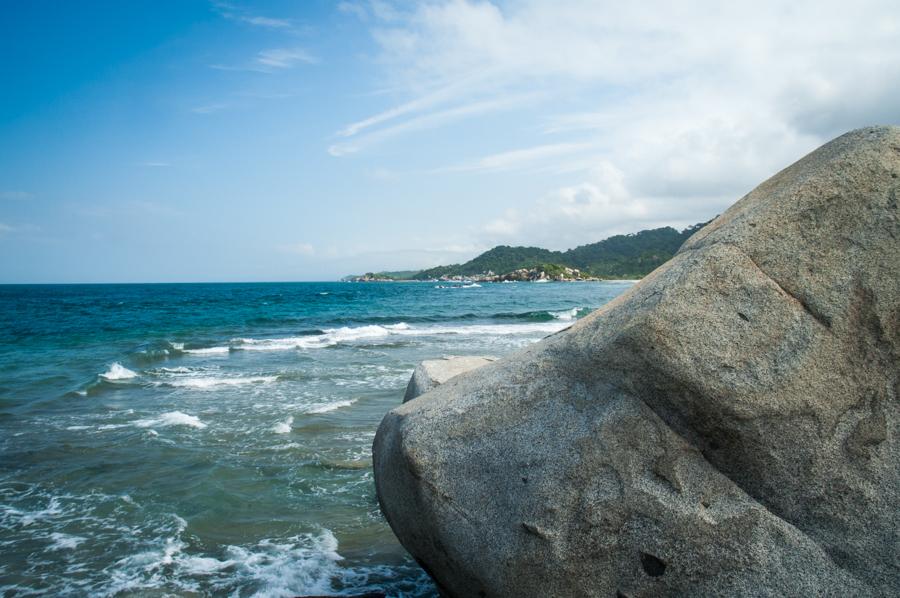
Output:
x=215 y=439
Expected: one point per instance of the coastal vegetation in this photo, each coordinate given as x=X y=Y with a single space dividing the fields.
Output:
x=621 y=256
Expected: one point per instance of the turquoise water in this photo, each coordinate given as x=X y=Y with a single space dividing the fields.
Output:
x=215 y=439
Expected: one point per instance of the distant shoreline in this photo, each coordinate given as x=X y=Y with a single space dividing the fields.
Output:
x=459 y=282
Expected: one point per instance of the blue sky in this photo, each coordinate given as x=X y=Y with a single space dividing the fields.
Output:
x=192 y=140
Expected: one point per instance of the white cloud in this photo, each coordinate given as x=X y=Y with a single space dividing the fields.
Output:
x=268 y=22
x=5 y=228
x=429 y=120
x=655 y=112
x=352 y=8
x=522 y=158
x=284 y=58
x=272 y=60
x=571 y=215
x=233 y=13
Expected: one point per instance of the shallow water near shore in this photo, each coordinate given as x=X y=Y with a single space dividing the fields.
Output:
x=215 y=439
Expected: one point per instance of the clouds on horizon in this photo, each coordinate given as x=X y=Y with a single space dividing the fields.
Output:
x=276 y=141
x=680 y=108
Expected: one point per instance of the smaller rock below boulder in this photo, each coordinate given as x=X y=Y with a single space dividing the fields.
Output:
x=434 y=372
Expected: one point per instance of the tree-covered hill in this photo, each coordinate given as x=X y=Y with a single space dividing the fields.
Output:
x=629 y=256
x=499 y=260
x=620 y=256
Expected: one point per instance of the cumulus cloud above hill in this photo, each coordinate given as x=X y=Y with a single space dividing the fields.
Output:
x=652 y=111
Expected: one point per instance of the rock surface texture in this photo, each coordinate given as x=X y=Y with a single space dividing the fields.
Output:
x=727 y=427
x=434 y=372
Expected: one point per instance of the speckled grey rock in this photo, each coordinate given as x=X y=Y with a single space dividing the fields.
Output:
x=727 y=427
x=434 y=372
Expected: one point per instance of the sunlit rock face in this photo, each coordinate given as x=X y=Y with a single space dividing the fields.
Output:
x=729 y=426
x=434 y=372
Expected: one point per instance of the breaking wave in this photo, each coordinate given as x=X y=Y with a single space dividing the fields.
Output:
x=171 y=418
x=118 y=372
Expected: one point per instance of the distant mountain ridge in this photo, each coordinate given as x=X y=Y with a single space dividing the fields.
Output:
x=621 y=256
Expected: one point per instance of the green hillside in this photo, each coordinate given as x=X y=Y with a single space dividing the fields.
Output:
x=499 y=260
x=620 y=256
x=629 y=256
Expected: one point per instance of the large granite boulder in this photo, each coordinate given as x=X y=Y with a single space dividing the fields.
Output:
x=434 y=372
x=728 y=426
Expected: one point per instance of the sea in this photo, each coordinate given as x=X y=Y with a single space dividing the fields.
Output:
x=215 y=439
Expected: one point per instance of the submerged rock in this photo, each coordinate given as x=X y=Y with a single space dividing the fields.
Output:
x=434 y=372
x=728 y=426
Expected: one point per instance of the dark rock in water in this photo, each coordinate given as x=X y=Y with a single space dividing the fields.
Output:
x=729 y=426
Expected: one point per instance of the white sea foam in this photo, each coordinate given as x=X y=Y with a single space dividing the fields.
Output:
x=356 y=334
x=315 y=409
x=64 y=542
x=208 y=351
x=298 y=565
x=203 y=378
x=118 y=372
x=347 y=334
x=141 y=570
x=492 y=329
x=206 y=382
x=282 y=344
x=53 y=509
x=304 y=564
x=567 y=315
x=171 y=418
x=284 y=427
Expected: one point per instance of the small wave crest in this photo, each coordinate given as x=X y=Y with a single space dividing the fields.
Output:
x=568 y=314
x=536 y=322
x=118 y=372
x=347 y=334
x=61 y=541
x=211 y=382
x=284 y=427
x=327 y=407
x=203 y=378
x=171 y=418
x=208 y=351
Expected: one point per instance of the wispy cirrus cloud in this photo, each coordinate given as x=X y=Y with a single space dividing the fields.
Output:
x=527 y=157
x=654 y=112
x=285 y=58
x=272 y=60
x=268 y=22
x=234 y=13
x=425 y=120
